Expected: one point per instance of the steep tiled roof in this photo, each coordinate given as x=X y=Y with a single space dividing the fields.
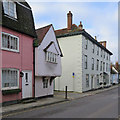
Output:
x=24 y=22
x=41 y=32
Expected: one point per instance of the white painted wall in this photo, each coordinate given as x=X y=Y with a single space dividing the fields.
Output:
x=39 y=90
x=71 y=62
x=43 y=68
x=94 y=72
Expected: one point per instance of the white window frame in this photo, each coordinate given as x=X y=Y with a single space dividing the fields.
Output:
x=85 y=62
x=45 y=82
x=101 y=66
x=98 y=80
x=104 y=54
x=86 y=43
x=14 y=9
x=50 y=57
x=92 y=63
x=106 y=67
x=93 y=47
x=97 y=50
x=97 y=65
x=9 y=88
x=107 y=56
x=87 y=80
x=8 y=49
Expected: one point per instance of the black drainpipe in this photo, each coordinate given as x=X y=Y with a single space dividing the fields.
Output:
x=34 y=68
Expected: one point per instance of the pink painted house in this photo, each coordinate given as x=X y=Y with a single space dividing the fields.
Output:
x=16 y=52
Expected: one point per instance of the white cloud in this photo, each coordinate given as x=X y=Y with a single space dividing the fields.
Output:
x=98 y=22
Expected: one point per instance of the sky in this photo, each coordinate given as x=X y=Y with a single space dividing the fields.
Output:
x=98 y=18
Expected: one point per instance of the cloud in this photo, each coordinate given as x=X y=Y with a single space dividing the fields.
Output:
x=99 y=19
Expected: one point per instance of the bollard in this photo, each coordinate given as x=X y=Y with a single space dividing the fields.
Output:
x=65 y=92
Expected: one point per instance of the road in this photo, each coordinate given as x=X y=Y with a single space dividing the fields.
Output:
x=102 y=105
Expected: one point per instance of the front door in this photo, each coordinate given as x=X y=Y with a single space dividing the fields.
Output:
x=92 y=81
x=27 y=84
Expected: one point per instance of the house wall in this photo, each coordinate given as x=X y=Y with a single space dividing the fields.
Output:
x=23 y=60
x=42 y=67
x=89 y=70
x=73 y=48
x=39 y=90
x=114 y=78
x=71 y=63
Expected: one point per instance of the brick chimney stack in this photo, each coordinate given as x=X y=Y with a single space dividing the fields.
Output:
x=69 y=20
x=103 y=43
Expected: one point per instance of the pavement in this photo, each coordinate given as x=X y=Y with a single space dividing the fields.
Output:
x=58 y=98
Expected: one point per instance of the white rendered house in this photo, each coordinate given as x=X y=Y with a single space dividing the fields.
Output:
x=86 y=62
x=47 y=61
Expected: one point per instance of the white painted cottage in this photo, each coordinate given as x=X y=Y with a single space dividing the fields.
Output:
x=47 y=61
x=86 y=62
x=114 y=75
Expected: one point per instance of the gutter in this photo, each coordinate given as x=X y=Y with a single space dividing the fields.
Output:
x=34 y=68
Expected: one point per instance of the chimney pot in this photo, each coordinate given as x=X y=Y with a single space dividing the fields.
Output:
x=81 y=26
x=103 y=43
x=95 y=37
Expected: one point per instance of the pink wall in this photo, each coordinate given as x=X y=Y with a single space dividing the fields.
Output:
x=0 y=67
x=22 y=60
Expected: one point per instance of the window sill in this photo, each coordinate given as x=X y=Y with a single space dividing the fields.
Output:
x=10 y=50
x=52 y=62
x=13 y=18
x=13 y=91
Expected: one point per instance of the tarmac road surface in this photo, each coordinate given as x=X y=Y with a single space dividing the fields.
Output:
x=102 y=105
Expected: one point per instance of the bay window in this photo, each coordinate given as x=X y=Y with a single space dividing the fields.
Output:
x=51 y=57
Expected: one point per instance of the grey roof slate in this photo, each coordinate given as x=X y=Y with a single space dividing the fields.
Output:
x=83 y=32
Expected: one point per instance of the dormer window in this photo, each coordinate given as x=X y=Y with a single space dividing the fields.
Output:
x=51 y=57
x=9 y=8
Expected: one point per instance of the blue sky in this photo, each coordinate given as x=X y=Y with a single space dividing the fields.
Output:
x=99 y=19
